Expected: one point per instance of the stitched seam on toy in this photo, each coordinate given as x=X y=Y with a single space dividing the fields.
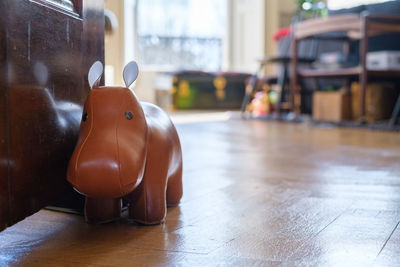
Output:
x=144 y=177
x=91 y=118
x=147 y=143
x=119 y=162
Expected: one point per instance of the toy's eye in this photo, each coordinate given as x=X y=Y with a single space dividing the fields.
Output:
x=84 y=116
x=128 y=115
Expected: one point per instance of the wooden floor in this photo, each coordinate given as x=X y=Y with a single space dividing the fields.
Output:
x=256 y=193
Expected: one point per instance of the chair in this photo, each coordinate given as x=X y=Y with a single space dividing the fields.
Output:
x=283 y=60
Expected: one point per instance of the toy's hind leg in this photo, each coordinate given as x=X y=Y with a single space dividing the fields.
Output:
x=102 y=210
x=174 y=188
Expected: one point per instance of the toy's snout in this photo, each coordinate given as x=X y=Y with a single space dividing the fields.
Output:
x=95 y=170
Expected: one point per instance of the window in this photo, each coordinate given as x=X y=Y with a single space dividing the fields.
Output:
x=181 y=34
x=338 y=4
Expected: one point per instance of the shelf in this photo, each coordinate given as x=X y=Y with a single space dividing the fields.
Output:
x=329 y=72
x=285 y=59
x=384 y=73
x=349 y=23
x=343 y=72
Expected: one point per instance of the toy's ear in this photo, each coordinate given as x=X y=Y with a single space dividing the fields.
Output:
x=131 y=72
x=95 y=72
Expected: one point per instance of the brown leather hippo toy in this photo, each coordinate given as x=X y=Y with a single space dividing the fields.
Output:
x=126 y=149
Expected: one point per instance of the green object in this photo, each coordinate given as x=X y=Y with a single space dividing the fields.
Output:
x=311 y=8
x=273 y=97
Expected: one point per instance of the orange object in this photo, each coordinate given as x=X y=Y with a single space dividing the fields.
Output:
x=125 y=149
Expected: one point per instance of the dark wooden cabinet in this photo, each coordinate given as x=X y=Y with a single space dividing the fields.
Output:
x=46 y=49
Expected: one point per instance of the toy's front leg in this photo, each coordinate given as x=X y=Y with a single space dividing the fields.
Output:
x=148 y=200
x=102 y=210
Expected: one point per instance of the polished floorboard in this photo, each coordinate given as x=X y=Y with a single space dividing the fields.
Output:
x=256 y=193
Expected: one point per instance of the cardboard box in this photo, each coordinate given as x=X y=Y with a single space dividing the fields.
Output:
x=380 y=99
x=331 y=106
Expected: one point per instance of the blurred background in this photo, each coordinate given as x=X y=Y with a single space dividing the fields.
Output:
x=196 y=54
x=208 y=35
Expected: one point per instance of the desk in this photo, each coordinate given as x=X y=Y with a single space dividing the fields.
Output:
x=354 y=27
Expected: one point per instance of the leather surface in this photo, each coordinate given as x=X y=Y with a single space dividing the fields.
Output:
x=139 y=158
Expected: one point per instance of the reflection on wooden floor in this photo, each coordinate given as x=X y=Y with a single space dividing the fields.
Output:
x=255 y=193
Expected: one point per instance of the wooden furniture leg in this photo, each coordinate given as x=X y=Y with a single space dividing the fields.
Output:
x=250 y=90
x=395 y=113
x=363 y=73
x=294 y=101
x=282 y=81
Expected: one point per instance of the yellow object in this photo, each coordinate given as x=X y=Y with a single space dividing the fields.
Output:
x=220 y=83
x=183 y=89
x=173 y=90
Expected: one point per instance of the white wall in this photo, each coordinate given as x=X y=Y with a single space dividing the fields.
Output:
x=246 y=33
x=252 y=24
x=114 y=45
